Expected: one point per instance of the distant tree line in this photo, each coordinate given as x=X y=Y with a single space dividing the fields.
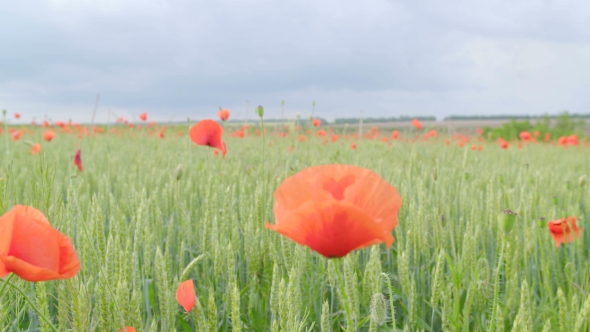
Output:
x=385 y=119
x=515 y=117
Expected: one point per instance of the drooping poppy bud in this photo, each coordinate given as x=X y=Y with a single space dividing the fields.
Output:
x=78 y=159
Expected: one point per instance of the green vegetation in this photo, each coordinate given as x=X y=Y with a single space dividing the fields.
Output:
x=563 y=125
x=147 y=213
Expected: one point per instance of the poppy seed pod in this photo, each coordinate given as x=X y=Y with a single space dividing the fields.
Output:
x=178 y=172
x=582 y=181
x=260 y=111
x=506 y=220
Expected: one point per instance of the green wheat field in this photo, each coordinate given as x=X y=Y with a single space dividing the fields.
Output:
x=147 y=213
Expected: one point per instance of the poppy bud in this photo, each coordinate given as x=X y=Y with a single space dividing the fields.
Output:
x=178 y=172
x=582 y=180
x=378 y=309
x=506 y=220
x=4 y=112
x=260 y=111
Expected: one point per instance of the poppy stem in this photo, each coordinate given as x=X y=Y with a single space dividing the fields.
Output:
x=39 y=313
x=6 y=133
x=349 y=320
x=497 y=285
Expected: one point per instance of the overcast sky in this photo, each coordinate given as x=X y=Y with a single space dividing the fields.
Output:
x=185 y=58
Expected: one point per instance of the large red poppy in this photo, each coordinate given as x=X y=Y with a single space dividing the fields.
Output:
x=143 y=116
x=32 y=249
x=334 y=209
x=208 y=132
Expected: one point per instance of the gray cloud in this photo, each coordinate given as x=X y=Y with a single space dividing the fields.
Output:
x=186 y=58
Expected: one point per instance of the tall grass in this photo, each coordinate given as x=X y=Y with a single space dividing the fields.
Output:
x=140 y=228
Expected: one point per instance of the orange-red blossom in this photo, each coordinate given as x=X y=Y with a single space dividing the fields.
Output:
x=335 y=209
x=32 y=249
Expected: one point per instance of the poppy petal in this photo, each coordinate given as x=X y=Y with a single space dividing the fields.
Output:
x=331 y=229
x=185 y=294
x=32 y=249
x=207 y=132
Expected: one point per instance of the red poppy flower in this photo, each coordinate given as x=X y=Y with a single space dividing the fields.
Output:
x=185 y=294
x=562 y=141
x=48 y=135
x=547 y=137
x=32 y=249
x=16 y=135
x=503 y=143
x=395 y=134
x=525 y=136
x=334 y=209
x=17 y=115
x=321 y=133
x=537 y=133
x=143 y=116
x=301 y=138
x=45 y=124
x=60 y=124
x=334 y=138
x=573 y=140
x=564 y=230
x=431 y=133
x=208 y=132
x=416 y=123
x=479 y=131
x=78 y=159
x=316 y=122
x=35 y=148
x=223 y=114
x=353 y=146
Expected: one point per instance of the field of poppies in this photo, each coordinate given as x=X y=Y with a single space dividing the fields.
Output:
x=293 y=227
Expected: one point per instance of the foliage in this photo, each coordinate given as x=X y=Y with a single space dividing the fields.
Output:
x=562 y=125
x=138 y=226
